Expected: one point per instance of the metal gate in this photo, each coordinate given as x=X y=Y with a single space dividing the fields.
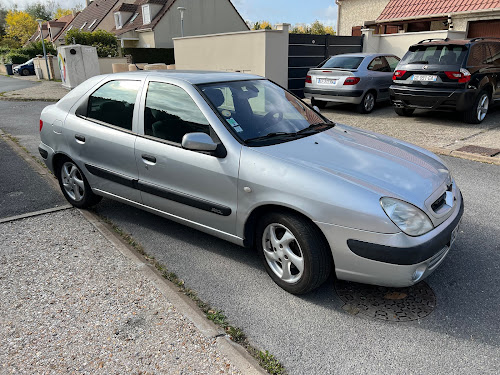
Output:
x=307 y=51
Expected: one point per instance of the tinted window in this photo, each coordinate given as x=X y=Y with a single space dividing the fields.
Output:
x=435 y=55
x=114 y=102
x=478 y=55
x=393 y=62
x=170 y=113
x=343 y=62
x=495 y=53
x=379 y=64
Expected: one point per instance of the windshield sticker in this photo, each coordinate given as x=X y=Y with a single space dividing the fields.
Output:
x=232 y=122
x=238 y=129
x=226 y=113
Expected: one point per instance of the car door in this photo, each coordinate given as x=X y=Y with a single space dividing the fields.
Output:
x=101 y=134
x=194 y=186
x=494 y=48
x=381 y=75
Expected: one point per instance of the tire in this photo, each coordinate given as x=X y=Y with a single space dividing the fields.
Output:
x=318 y=103
x=367 y=103
x=479 y=110
x=406 y=112
x=25 y=72
x=75 y=186
x=298 y=244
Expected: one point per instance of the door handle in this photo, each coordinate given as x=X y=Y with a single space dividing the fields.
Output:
x=149 y=158
x=80 y=138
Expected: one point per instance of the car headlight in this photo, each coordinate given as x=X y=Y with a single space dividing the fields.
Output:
x=410 y=219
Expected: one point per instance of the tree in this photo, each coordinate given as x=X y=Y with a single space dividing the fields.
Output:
x=20 y=26
x=60 y=12
x=317 y=28
x=39 y=11
x=3 y=13
x=330 y=30
x=265 y=25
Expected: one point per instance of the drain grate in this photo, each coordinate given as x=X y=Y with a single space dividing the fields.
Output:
x=485 y=151
x=390 y=304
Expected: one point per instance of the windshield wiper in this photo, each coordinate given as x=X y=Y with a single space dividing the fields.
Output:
x=271 y=135
x=315 y=127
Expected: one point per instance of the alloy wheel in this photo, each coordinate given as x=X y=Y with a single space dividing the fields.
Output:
x=482 y=107
x=72 y=181
x=283 y=253
x=369 y=102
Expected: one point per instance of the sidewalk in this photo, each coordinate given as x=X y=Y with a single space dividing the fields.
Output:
x=43 y=90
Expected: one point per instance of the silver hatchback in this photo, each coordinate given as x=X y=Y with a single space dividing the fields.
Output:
x=240 y=158
x=361 y=79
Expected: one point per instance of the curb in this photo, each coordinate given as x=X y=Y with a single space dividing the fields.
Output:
x=464 y=155
x=184 y=305
x=9 y=99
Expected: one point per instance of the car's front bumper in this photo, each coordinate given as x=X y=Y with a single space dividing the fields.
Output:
x=432 y=98
x=338 y=96
x=395 y=260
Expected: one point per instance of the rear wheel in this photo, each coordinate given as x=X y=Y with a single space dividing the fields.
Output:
x=367 y=103
x=406 y=112
x=479 y=110
x=25 y=72
x=318 y=103
x=293 y=251
x=74 y=185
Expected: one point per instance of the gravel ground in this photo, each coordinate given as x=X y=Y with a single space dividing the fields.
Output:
x=72 y=303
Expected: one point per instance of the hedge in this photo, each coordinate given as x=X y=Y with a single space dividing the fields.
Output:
x=150 y=55
x=14 y=58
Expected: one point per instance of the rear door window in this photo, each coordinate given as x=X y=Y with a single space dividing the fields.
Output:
x=479 y=55
x=495 y=54
x=113 y=103
x=379 y=64
x=435 y=55
x=393 y=62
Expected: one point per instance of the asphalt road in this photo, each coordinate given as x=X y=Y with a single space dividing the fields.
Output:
x=11 y=84
x=312 y=333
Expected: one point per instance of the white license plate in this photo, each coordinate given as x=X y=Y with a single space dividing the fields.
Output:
x=454 y=233
x=423 y=77
x=327 y=81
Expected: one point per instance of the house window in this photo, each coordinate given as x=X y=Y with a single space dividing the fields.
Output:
x=118 y=21
x=134 y=17
x=146 y=14
x=85 y=23
x=93 y=23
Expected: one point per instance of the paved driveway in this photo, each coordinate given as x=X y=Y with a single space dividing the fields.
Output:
x=11 y=84
x=313 y=334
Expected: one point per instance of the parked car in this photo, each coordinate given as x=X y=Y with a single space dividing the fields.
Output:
x=25 y=69
x=237 y=156
x=450 y=75
x=360 y=78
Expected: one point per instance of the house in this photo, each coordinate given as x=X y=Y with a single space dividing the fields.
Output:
x=52 y=31
x=153 y=23
x=474 y=18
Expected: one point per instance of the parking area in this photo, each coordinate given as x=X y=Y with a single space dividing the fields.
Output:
x=441 y=132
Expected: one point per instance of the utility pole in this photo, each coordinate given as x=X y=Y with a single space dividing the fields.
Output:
x=43 y=46
x=182 y=9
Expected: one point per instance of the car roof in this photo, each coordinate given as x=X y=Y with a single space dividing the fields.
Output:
x=194 y=77
x=364 y=54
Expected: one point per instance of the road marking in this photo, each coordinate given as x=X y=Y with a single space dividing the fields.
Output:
x=36 y=213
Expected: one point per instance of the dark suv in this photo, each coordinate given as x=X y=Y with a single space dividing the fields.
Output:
x=453 y=75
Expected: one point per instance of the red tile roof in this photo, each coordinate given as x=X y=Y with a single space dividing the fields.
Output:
x=401 y=9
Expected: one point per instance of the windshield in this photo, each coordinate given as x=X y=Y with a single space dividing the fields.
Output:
x=435 y=55
x=343 y=62
x=259 y=111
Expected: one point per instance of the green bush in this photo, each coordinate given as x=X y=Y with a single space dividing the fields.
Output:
x=104 y=41
x=36 y=48
x=15 y=58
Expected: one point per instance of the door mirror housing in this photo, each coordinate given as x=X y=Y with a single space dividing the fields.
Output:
x=198 y=142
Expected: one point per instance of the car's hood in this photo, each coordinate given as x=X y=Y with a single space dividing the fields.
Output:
x=375 y=162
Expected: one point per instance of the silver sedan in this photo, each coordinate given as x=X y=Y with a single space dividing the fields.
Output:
x=240 y=158
x=361 y=79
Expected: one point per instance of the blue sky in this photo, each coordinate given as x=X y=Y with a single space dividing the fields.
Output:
x=289 y=11
x=274 y=11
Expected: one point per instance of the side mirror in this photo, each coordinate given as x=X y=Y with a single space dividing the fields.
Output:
x=316 y=109
x=198 y=142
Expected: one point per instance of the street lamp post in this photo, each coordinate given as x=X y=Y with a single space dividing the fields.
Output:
x=182 y=9
x=43 y=46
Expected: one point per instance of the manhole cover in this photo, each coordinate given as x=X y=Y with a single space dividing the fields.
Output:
x=485 y=151
x=392 y=304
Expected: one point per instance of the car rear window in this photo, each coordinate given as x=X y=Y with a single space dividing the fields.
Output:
x=435 y=55
x=342 y=62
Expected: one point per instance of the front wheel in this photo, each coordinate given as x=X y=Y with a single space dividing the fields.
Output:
x=367 y=103
x=293 y=251
x=405 y=112
x=25 y=72
x=479 y=110
x=74 y=186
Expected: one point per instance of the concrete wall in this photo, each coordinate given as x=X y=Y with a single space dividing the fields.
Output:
x=262 y=52
x=398 y=44
x=461 y=21
x=106 y=63
x=202 y=17
x=55 y=73
x=356 y=12
x=147 y=40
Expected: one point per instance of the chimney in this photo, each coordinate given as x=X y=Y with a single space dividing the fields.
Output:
x=88 y=2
